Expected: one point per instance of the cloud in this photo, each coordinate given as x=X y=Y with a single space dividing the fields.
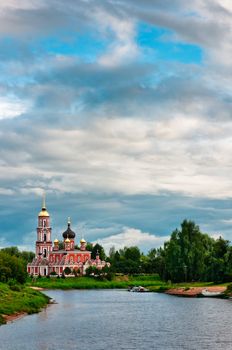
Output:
x=216 y=235
x=124 y=46
x=132 y=237
x=11 y=107
x=88 y=111
x=178 y=155
x=3 y=243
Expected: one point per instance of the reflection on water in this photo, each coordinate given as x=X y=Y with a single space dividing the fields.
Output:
x=116 y=319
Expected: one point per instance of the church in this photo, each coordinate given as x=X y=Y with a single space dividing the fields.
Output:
x=53 y=257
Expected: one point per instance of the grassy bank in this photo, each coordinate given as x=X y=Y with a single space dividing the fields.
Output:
x=19 y=299
x=152 y=282
x=92 y=283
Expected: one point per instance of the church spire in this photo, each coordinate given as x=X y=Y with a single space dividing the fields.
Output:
x=43 y=211
x=44 y=201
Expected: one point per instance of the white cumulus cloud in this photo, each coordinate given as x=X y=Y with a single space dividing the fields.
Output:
x=132 y=237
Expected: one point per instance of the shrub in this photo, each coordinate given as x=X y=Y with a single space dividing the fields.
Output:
x=14 y=285
x=16 y=288
x=67 y=270
x=53 y=273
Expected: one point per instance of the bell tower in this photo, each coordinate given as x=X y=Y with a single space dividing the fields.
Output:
x=43 y=243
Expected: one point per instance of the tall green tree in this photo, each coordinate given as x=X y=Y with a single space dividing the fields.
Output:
x=98 y=248
x=12 y=267
x=186 y=253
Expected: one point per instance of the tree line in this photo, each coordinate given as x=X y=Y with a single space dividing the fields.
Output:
x=189 y=255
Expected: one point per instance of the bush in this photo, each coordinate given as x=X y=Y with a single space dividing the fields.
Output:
x=14 y=285
x=67 y=270
x=16 y=288
x=76 y=272
x=53 y=273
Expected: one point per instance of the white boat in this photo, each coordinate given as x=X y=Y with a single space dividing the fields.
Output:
x=207 y=293
x=139 y=289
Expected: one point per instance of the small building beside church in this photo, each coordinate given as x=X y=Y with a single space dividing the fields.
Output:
x=49 y=258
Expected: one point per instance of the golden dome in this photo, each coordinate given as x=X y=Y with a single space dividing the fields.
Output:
x=67 y=240
x=82 y=240
x=56 y=241
x=43 y=212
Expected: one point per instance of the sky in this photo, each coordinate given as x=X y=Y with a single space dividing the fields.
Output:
x=120 y=110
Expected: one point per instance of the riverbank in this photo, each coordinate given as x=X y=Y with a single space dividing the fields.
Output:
x=151 y=282
x=118 y=282
x=196 y=291
x=17 y=301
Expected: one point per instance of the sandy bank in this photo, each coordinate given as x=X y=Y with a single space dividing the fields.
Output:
x=194 y=291
x=14 y=317
x=37 y=288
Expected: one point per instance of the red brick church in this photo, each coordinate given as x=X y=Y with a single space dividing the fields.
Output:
x=50 y=258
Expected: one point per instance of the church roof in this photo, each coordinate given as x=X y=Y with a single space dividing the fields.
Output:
x=69 y=233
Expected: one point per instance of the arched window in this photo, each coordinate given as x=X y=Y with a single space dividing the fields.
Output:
x=45 y=253
x=45 y=237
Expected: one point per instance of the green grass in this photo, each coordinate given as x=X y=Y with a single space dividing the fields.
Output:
x=92 y=283
x=24 y=300
x=152 y=282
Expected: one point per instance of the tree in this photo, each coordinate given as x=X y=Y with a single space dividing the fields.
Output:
x=112 y=253
x=67 y=270
x=61 y=245
x=12 y=267
x=98 y=248
x=5 y=273
x=186 y=254
x=89 y=246
x=91 y=270
x=132 y=253
x=14 y=251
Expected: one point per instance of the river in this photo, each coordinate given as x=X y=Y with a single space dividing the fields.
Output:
x=117 y=319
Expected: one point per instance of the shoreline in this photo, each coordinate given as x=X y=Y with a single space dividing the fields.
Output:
x=18 y=315
x=19 y=301
x=195 y=291
x=14 y=317
x=175 y=291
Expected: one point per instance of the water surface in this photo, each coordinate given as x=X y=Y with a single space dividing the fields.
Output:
x=117 y=319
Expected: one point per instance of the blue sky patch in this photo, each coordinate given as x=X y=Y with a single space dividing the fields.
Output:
x=163 y=46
